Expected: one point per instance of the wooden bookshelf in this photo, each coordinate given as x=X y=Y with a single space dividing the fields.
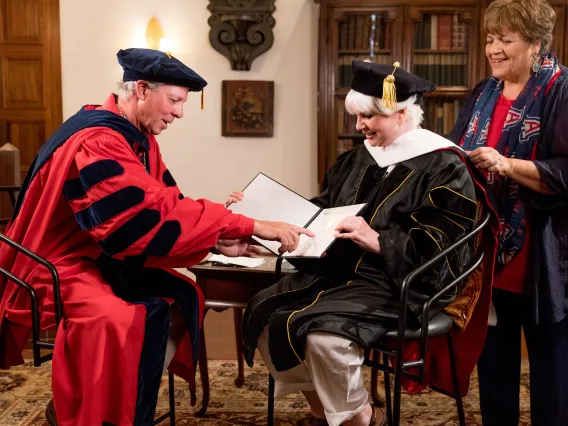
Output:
x=440 y=40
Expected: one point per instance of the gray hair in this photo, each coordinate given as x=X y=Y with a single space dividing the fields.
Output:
x=358 y=103
x=126 y=89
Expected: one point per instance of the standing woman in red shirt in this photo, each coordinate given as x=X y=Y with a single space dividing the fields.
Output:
x=515 y=127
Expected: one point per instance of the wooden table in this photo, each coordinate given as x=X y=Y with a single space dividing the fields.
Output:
x=230 y=287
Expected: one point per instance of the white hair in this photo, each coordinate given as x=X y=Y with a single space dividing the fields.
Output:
x=126 y=89
x=358 y=103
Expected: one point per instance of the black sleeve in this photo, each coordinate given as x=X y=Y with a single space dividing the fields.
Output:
x=554 y=168
x=324 y=200
x=448 y=211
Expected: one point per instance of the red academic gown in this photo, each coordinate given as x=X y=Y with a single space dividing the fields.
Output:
x=92 y=197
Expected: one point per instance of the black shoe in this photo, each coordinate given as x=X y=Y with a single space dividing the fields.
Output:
x=50 y=414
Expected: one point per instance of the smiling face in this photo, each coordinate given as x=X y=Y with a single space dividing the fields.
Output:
x=379 y=129
x=158 y=108
x=509 y=55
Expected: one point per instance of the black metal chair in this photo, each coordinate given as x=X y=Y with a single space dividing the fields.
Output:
x=37 y=343
x=438 y=326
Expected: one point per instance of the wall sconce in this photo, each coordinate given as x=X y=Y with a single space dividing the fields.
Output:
x=155 y=37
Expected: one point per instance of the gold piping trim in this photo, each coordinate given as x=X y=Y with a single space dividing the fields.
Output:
x=455 y=223
x=455 y=192
x=447 y=211
x=284 y=292
x=433 y=269
x=288 y=325
x=388 y=196
x=380 y=205
x=440 y=248
x=359 y=186
x=441 y=232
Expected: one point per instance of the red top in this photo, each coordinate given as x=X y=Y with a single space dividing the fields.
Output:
x=512 y=277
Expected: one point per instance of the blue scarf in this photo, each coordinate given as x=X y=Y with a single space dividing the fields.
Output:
x=518 y=140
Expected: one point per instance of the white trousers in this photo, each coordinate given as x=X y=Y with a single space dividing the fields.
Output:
x=332 y=368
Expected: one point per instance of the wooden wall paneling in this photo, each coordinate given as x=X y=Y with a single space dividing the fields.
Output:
x=30 y=73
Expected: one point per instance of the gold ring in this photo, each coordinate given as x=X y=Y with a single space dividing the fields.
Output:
x=494 y=161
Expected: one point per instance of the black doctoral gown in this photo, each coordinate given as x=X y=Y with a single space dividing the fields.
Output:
x=419 y=207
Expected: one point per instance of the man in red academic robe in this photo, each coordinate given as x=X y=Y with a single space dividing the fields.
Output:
x=99 y=203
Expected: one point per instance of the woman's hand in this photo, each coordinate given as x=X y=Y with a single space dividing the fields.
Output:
x=355 y=228
x=489 y=160
x=235 y=197
x=236 y=248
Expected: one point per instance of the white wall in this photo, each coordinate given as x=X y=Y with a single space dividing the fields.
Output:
x=204 y=163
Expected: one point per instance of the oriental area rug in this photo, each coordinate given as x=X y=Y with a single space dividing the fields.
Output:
x=25 y=392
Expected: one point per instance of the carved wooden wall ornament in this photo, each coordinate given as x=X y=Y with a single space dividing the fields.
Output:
x=241 y=30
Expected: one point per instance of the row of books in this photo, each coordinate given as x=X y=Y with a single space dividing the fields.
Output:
x=345 y=71
x=440 y=116
x=443 y=69
x=442 y=32
x=364 y=31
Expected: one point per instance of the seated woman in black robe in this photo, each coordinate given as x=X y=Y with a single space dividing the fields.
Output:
x=312 y=327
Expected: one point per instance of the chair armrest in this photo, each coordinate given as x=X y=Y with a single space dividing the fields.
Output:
x=27 y=287
x=440 y=256
x=416 y=272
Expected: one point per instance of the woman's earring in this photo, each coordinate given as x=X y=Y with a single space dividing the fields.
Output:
x=536 y=63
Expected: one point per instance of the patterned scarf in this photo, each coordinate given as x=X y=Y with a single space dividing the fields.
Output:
x=518 y=140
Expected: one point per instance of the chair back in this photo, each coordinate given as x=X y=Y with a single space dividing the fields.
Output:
x=37 y=344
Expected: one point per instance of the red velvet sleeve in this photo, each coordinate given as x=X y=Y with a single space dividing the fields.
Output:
x=130 y=213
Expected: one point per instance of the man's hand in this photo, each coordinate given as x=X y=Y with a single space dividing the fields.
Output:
x=235 y=197
x=355 y=228
x=236 y=248
x=288 y=235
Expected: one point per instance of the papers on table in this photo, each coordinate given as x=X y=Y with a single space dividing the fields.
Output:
x=250 y=262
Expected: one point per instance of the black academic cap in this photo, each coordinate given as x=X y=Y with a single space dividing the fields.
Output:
x=369 y=78
x=154 y=65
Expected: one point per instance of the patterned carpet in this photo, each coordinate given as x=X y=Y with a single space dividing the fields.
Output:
x=25 y=391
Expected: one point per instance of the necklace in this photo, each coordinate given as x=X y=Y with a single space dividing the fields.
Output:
x=144 y=154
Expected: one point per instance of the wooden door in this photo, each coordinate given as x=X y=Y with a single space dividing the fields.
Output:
x=30 y=69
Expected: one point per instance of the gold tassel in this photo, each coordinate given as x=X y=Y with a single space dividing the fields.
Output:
x=202 y=99
x=389 y=90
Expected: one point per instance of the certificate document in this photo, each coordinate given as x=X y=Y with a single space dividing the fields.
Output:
x=266 y=199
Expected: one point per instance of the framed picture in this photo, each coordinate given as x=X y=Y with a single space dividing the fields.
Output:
x=248 y=108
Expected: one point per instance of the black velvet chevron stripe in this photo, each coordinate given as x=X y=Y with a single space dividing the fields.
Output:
x=97 y=172
x=73 y=189
x=111 y=205
x=130 y=232
x=164 y=240
x=89 y=176
x=168 y=179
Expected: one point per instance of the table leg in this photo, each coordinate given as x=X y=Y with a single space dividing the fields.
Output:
x=204 y=373
x=238 y=320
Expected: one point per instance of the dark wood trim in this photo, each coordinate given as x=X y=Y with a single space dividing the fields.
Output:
x=52 y=48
